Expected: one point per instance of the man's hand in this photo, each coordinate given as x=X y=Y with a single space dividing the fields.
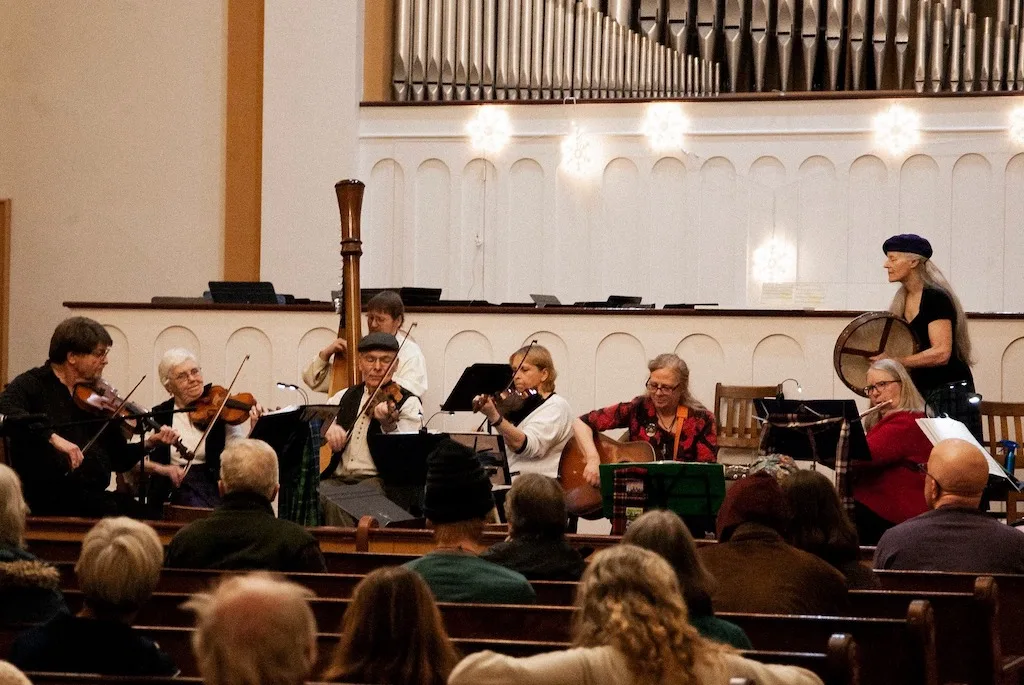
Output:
x=68 y=449
x=339 y=346
x=165 y=436
x=336 y=437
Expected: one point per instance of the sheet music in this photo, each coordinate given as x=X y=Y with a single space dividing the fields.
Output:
x=944 y=428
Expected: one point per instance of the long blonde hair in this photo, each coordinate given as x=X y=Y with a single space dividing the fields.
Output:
x=676 y=363
x=629 y=599
x=931 y=277
x=910 y=398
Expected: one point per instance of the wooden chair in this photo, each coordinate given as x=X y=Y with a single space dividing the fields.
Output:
x=1001 y=421
x=734 y=414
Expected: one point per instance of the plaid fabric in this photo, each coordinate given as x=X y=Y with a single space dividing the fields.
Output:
x=812 y=429
x=698 y=440
x=629 y=497
x=299 y=501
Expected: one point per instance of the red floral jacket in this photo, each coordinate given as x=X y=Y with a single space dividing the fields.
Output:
x=698 y=440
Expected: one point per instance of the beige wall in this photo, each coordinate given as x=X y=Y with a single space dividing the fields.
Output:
x=112 y=119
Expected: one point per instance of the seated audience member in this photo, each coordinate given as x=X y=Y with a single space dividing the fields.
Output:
x=819 y=525
x=631 y=628
x=536 y=546
x=392 y=632
x=457 y=501
x=117 y=571
x=756 y=570
x=11 y=675
x=29 y=588
x=888 y=488
x=954 y=535
x=664 y=533
x=243 y=532
x=254 y=630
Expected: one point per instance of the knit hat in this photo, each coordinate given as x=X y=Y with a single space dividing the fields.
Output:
x=457 y=487
x=754 y=499
x=910 y=243
x=378 y=341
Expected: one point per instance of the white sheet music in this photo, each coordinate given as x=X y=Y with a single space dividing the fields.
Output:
x=941 y=429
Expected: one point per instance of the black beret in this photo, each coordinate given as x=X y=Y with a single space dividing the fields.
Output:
x=457 y=487
x=910 y=243
x=378 y=341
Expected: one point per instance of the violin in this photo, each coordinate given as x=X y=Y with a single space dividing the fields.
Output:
x=99 y=397
x=388 y=392
x=235 y=411
x=509 y=400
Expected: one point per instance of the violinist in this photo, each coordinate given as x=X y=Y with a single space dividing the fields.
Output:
x=182 y=377
x=537 y=432
x=385 y=313
x=58 y=479
x=393 y=409
x=668 y=416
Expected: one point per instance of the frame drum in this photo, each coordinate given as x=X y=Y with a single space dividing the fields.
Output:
x=866 y=336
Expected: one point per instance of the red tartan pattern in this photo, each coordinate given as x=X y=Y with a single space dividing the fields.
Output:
x=697 y=442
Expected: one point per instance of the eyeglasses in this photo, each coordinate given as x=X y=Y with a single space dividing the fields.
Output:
x=655 y=388
x=868 y=389
x=923 y=468
x=185 y=375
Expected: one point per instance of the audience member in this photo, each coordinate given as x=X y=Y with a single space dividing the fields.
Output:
x=254 y=630
x=631 y=627
x=458 y=499
x=11 y=675
x=756 y=569
x=243 y=532
x=117 y=570
x=392 y=632
x=954 y=535
x=536 y=546
x=29 y=588
x=820 y=525
x=664 y=533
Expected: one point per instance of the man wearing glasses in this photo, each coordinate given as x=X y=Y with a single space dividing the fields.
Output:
x=955 y=535
x=59 y=477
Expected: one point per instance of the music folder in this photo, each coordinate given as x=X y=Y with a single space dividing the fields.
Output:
x=478 y=379
x=938 y=429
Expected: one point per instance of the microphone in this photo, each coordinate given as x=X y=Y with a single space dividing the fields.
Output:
x=423 y=427
x=11 y=423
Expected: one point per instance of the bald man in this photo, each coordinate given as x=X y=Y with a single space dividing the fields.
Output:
x=955 y=535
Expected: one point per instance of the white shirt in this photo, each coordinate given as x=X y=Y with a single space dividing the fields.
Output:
x=190 y=436
x=410 y=372
x=547 y=429
x=357 y=460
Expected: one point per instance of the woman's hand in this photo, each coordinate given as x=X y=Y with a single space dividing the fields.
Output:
x=485 y=405
x=592 y=472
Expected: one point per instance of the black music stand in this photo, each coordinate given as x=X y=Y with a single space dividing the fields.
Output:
x=478 y=379
x=818 y=443
x=243 y=292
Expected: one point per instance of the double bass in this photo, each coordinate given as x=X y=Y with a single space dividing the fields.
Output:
x=344 y=371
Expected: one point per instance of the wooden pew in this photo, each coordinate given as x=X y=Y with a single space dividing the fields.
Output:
x=966 y=629
x=838 y=665
x=890 y=650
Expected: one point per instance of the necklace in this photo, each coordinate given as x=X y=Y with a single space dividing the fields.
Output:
x=668 y=428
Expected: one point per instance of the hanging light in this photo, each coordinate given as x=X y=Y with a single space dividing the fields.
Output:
x=489 y=131
x=665 y=126
x=579 y=153
x=897 y=129
x=1017 y=126
x=775 y=262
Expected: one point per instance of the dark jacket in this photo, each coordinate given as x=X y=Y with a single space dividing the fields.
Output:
x=538 y=559
x=243 y=533
x=758 y=572
x=160 y=487
x=29 y=588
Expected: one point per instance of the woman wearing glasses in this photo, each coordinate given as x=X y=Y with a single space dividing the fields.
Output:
x=676 y=425
x=889 y=489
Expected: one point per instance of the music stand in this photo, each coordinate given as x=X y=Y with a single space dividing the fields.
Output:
x=814 y=443
x=694 y=490
x=544 y=300
x=478 y=379
x=243 y=292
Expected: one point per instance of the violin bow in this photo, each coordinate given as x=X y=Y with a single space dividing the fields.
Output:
x=112 y=417
x=216 y=416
